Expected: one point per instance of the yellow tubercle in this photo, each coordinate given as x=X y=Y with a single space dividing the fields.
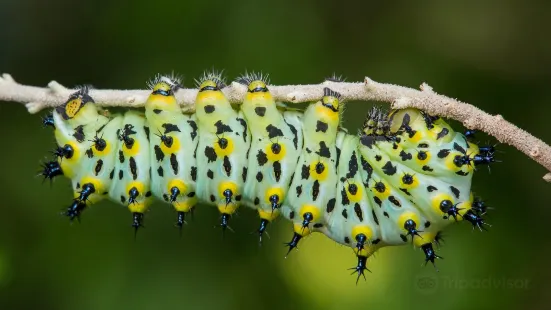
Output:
x=316 y=216
x=382 y=195
x=105 y=152
x=133 y=151
x=301 y=231
x=423 y=158
x=98 y=185
x=185 y=206
x=437 y=200
x=224 y=151
x=426 y=237
x=413 y=182
x=173 y=148
x=228 y=209
x=358 y=195
x=314 y=170
x=408 y=216
x=179 y=184
x=275 y=156
x=268 y=215
x=140 y=187
x=227 y=185
x=362 y=229
x=139 y=207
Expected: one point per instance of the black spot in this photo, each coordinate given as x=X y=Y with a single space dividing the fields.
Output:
x=260 y=111
x=315 y=190
x=159 y=155
x=238 y=197
x=405 y=156
x=404 y=238
x=376 y=241
x=318 y=225
x=212 y=198
x=395 y=201
x=148 y=194
x=308 y=151
x=442 y=133
x=123 y=199
x=79 y=133
x=443 y=153
x=352 y=166
x=375 y=217
x=277 y=170
x=427 y=224
x=244 y=174
x=378 y=157
x=462 y=173
x=427 y=168
x=367 y=168
x=324 y=150
x=227 y=165
x=346 y=240
x=165 y=197
x=405 y=191
x=423 y=145
x=305 y=172
x=431 y=188
x=386 y=214
x=89 y=153
x=193 y=126
x=222 y=128
x=160 y=171
x=378 y=201
x=299 y=190
x=292 y=215
x=338 y=157
x=121 y=157
x=389 y=169
x=344 y=198
x=256 y=201
x=146 y=130
x=120 y=174
x=261 y=158
x=170 y=128
x=455 y=191
x=174 y=163
x=210 y=153
x=244 y=124
x=193 y=173
x=210 y=174
x=112 y=174
x=157 y=111
x=331 y=205
x=407 y=179
x=459 y=148
x=99 y=164
x=344 y=214
x=273 y=131
x=380 y=187
x=422 y=155
x=133 y=168
x=359 y=212
x=209 y=108
x=295 y=133
x=368 y=141
x=259 y=176
x=321 y=126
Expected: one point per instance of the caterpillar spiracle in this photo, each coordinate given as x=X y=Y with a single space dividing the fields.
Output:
x=402 y=179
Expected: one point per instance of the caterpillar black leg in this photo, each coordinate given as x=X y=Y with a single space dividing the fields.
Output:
x=361 y=239
x=50 y=170
x=48 y=120
x=476 y=220
x=262 y=229
x=308 y=218
x=470 y=134
x=137 y=222
x=224 y=220
x=360 y=268
x=87 y=190
x=74 y=210
x=293 y=244
x=181 y=220
x=430 y=255
x=479 y=206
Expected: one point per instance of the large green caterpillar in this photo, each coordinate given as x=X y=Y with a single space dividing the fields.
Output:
x=403 y=178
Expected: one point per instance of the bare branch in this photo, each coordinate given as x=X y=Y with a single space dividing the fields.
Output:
x=36 y=99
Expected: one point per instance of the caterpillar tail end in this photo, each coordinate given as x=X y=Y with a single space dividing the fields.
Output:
x=360 y=268
x=430 y=255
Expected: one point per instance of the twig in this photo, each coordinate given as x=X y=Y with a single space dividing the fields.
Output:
x=37 y=98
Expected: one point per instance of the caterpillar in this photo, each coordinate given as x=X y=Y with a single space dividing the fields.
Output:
x=401 y=180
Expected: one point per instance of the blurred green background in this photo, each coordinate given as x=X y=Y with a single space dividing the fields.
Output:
x=495 y=54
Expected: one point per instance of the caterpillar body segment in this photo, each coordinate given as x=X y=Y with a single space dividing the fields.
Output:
x=173 y=140
x=224 y=137
x=315 y=179
x=132 y=182
x=401 y=181
x=276 y=142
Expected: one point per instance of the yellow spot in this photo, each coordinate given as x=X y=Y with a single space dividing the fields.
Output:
x=274 y=191
x=98 y=185
x=437 y=200
x=408 y=215
x=132 y=151
x=139 y=207
x=223 y=152
x=416 y=137
x=105 y=152
x=185 y=206
x=208 y=83
x=302 y=231
x=210 y=97
x=326 y=114
x=138 y=185
x=273 y=156
x=228 y=209
x=422 y=162
x=179 y=184
x=316 y=217
x=72 y=107
x=362 y=229
x=256 y=84
x=384 y=194
x=268 y=215
x=414 y=183
x=319 y=176
x=357 y=197
x=426 y=237
x=174 y=147
x=367 y=251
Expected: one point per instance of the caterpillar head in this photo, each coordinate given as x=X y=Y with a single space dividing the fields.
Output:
x=331 y=100
x=211 y=80
x=210 y=95
x=71 y=108
x=257 y=89
x=165 y=85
